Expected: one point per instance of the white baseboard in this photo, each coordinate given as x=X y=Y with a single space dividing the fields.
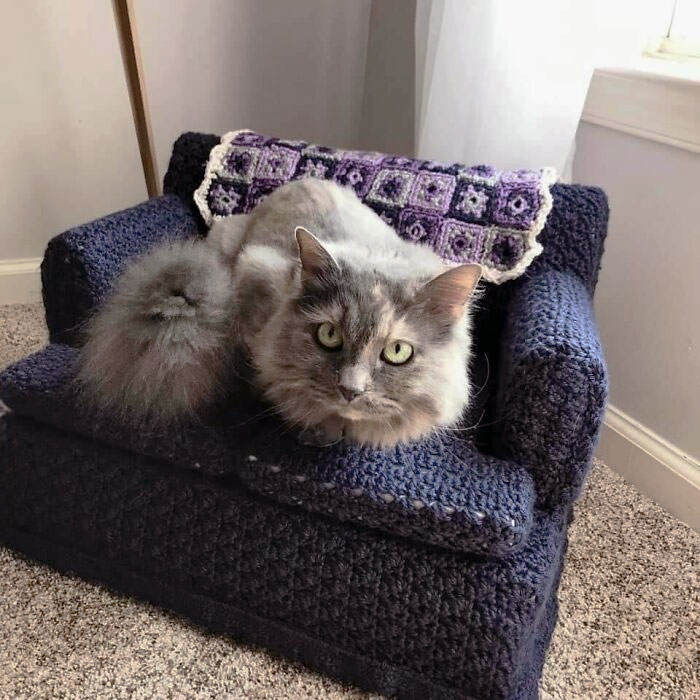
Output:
x=20 y=281
x=658 y=469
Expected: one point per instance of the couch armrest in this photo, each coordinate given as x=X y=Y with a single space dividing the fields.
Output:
x=553 y=384
x=80 y=265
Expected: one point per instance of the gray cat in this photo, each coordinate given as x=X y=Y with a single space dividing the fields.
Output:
x=350 y=330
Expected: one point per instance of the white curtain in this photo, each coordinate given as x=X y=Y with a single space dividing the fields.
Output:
x=503 y=82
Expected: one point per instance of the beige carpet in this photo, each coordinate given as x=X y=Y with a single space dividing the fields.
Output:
x=629 y=624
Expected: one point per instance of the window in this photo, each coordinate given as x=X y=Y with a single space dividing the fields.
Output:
x=681 y=40
x=655 y=96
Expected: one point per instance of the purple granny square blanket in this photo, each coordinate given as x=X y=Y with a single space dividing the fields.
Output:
x=466 y=214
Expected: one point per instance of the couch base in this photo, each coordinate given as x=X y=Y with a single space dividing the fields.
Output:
x=250 y=629
x=219 y=617
x=35 y=468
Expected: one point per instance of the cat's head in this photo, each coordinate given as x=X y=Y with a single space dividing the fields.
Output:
x=387 y=356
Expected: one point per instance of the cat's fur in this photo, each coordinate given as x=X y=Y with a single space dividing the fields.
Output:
x=255 y=282
x=161 y=346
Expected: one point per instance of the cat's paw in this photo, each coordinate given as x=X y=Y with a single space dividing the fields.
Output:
x=321 y=436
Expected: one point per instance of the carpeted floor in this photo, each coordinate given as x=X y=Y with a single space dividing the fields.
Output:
x=629 y=624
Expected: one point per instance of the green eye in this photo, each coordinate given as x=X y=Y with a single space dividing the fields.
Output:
x=398 y=352
x=329 y=336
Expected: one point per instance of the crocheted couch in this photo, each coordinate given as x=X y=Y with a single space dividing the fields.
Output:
x=425 y=572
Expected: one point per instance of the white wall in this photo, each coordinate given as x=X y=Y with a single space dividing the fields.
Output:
x=648 y=299
x=67 y=143
x=293 y=69
x=67 y=149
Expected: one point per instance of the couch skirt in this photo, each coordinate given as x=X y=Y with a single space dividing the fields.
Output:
x=382 y=612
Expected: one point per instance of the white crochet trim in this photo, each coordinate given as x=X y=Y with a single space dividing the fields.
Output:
x=214 y=167
x=491 y=274
x=533 y=247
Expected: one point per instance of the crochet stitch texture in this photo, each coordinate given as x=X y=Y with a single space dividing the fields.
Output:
x=449 y=599
x=439 y=491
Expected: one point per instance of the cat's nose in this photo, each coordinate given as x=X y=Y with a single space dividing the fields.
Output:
x=353 y=380
x=349 y=392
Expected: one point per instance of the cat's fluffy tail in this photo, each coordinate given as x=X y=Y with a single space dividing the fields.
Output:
x=161 y=346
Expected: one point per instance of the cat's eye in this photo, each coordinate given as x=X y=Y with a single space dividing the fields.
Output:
x=397 y=352
x=329 y=336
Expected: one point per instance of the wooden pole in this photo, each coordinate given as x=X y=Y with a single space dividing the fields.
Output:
x=131 y=57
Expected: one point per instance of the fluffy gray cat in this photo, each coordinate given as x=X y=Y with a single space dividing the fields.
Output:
x=350 y=330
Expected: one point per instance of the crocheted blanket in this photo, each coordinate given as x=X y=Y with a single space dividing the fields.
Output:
x=466 y=214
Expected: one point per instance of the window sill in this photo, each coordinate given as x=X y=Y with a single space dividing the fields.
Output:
x=653 y=99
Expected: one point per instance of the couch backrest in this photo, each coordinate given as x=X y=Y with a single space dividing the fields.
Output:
x=572 y=237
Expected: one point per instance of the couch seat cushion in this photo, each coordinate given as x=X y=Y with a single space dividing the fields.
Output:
x=441 y=491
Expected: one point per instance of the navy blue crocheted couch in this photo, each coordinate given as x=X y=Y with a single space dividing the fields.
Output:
x=430 y=571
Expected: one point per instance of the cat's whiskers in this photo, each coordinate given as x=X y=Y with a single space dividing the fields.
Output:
x=265 y=412
x=467 y=428
x=238 y=375
x=486 y=380
x=391 y=428
x=400 y=449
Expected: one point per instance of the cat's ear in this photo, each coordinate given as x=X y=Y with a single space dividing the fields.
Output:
x=450 y=291
x=316 y=261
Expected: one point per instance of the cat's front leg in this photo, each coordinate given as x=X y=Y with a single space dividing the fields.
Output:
x=330 y=432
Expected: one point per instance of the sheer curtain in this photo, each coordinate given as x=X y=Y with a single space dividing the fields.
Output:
x=503 y=82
